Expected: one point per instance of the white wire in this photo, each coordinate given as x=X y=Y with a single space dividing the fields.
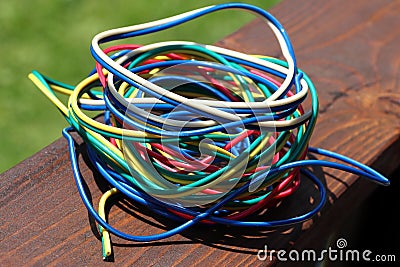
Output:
x=212 y=108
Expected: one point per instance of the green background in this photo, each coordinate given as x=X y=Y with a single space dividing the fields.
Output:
x=53 y=37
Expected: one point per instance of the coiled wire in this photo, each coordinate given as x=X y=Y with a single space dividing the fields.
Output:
x=197 y=133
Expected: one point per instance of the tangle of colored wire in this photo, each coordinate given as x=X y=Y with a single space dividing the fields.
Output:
x=196 y=133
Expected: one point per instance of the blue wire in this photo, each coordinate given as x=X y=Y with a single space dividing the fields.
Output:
x=199 y=216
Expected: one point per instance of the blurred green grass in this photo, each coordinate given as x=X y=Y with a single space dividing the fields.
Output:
x=53 y=37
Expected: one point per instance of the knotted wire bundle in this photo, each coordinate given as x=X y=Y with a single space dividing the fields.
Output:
x=198 y=133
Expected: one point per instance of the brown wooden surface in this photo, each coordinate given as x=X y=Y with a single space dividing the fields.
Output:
x=351 y=51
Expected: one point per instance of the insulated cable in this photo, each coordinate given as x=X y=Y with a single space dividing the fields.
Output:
x=197 y=133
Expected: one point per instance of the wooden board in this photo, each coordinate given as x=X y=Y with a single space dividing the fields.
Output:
x=349 y=49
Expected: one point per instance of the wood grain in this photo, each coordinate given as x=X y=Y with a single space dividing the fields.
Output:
x=349 y=49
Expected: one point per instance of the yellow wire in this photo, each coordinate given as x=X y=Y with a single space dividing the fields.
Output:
x=213 y=147
x=49 y=95
x=106 y=242
x=65 y=91
x=73 y=105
